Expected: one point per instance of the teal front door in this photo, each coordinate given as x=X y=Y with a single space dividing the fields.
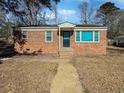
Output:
x=66 y=39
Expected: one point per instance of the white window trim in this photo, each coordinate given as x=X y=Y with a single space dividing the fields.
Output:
x=98 y=37
x=93 y=36
x=88 y=41
x=75 y=37
x=22 y=34
x=46 y=37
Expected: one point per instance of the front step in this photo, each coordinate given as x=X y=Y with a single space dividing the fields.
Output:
x=66 y=52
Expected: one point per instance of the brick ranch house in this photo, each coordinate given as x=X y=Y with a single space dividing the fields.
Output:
x=62 y=38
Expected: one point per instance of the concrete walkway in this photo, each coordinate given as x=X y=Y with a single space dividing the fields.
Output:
x=66 y=80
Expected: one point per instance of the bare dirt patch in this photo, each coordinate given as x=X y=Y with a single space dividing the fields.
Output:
x=103 y=74
x=21 y=75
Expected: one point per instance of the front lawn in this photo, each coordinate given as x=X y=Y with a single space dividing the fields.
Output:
x=103 y=74
x=26 y=76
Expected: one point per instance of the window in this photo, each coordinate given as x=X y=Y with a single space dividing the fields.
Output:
x=96 y=36
x=24 y=35
x=48 y=36
x=87 y=36
x=78 y=36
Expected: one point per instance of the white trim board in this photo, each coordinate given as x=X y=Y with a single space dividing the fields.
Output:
x=66 y=24
x=38 y=27
x=98 y=29
x=65 y=28
x=91 y=27
x=40 y=30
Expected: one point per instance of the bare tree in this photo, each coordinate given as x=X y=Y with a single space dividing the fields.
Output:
x=26 y=11
x=55 y=12
x=86 y=12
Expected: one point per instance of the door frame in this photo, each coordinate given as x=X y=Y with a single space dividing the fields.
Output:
x=63 y=39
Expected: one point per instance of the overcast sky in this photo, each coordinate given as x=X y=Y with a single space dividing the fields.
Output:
x=68 y=10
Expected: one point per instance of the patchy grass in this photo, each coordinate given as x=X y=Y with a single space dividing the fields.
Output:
x=29 y=76
x=103 y=74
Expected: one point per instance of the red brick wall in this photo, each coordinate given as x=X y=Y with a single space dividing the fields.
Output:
x=89 y=48
x=36 y=42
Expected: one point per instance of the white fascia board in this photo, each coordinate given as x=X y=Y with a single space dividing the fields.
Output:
x=87 y=29
x=39 y=28
x=91 y=28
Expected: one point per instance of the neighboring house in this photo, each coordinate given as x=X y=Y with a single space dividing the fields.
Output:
x=65 y=37
x=119 y=41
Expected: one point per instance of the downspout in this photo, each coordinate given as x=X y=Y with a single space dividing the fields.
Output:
x=59 y=40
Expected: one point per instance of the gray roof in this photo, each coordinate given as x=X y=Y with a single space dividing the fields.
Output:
x=55 y=25
x=79 y=25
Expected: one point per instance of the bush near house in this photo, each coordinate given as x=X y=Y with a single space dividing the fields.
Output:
x=6 y=50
